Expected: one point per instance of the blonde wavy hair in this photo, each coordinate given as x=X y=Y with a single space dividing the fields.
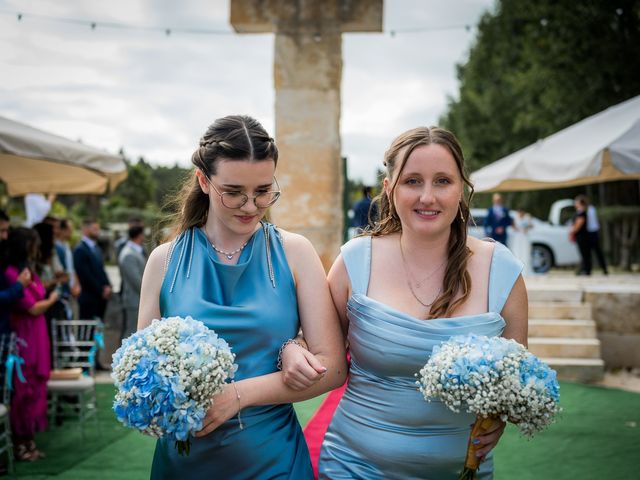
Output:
x=456 y=277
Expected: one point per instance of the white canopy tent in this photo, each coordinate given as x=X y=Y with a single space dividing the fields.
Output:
x=600 y=148
x=34 y=161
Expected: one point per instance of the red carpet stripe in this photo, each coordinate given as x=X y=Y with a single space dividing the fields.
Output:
x=317 y=426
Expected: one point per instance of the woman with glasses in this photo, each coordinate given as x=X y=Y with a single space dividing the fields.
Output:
x=255 y=285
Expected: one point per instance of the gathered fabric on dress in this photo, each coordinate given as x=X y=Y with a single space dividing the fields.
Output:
x=383 y=428
x=255 y=315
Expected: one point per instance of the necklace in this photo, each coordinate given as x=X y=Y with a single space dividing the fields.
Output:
x=419 y=282
x=229 y=255
x=409 y=280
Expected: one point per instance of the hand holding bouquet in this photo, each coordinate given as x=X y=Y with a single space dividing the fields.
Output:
x=492 y=378
x=167 y=374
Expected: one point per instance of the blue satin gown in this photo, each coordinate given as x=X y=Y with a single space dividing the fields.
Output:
x=254 y=308
x=383 y=428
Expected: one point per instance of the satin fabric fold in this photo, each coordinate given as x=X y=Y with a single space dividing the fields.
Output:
x=240 y=303
x=383 y=428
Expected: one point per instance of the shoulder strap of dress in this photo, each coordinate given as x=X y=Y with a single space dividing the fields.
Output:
x=505 y=269
x=356 y=254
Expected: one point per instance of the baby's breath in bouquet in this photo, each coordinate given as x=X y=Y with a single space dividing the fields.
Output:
x=491 y=377
x=166 y=375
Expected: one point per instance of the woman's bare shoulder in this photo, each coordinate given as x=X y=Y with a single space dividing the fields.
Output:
x=480 y=248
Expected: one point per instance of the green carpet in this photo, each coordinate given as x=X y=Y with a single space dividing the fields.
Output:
x=597 y=437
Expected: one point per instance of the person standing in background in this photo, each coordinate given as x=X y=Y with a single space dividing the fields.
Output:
x=119 y=244
x=89 y=265
x=28 y=411
x=364 y=212
x=497 y=221
x=579 y=234
x=520 y=243
x=131 y=262
x=593 y=232
x=71 y=288
x=9 y=292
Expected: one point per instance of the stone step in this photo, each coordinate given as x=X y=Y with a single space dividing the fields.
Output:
x=577 y=369
x=565 y=347
x=545 y=294
x=562 y=328
x=564 y=311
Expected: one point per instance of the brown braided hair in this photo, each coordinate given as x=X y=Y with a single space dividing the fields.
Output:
x=456 y=277
x=235 y=137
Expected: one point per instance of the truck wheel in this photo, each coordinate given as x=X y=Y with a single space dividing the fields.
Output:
x=541 y=258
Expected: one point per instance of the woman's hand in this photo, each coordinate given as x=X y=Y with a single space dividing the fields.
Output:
x=300 y=367
x=53 y=297
x=484 y=443
x=225 y=405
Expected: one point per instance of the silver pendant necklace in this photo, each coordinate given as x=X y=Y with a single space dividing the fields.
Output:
x=409 y=280
x=229 y=255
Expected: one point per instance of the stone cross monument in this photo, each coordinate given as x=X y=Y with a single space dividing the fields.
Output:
x=307 y=77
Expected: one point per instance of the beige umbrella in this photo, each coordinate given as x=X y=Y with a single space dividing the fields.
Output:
x=34 y=161
x=600 y=148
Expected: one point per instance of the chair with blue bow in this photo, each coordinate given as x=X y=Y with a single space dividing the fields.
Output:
x=10 y=363
x=75 y=344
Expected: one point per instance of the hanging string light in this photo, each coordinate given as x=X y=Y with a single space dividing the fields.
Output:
x=168 y=31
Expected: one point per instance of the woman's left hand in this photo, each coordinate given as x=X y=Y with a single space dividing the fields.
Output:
x=225 y=405
x=488 y=440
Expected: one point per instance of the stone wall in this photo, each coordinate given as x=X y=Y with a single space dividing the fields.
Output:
x=616 y=311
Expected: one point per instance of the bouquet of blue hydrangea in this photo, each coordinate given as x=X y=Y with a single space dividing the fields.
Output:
x=167 y=374
x=491 y=377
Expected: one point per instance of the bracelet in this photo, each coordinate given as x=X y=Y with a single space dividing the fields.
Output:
x=284 y=345
x=239 y=405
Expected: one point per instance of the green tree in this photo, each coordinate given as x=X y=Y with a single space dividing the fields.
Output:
x=536 y=67
x=138 y=190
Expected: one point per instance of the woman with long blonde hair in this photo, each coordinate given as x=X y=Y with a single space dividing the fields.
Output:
x=411 y=282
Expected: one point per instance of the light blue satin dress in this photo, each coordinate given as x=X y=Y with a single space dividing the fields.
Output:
x=383 y=428
x=254 y=308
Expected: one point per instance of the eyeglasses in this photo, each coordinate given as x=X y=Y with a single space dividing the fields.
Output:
x=238 y=199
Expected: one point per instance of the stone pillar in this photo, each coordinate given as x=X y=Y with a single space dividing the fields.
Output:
x=307 y=74
x=307 y=79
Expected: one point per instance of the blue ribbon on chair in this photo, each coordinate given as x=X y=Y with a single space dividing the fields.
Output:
x=14 y=361
x=98 y=343
x=99 y=339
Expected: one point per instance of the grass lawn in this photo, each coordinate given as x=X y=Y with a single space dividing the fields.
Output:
x=597 y=437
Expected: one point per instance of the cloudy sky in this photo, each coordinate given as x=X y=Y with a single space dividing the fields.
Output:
x=130 y=85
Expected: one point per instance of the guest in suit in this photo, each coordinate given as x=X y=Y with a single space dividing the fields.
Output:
x=497 y=221
x=94 y=283
x=119 y=244
x=131 y=262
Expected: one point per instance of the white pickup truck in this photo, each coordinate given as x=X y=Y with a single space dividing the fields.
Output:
x=550 y=245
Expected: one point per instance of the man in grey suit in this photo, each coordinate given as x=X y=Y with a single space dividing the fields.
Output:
x=131 y=262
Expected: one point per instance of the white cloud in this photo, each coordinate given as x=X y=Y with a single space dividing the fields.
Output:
x=155 y=95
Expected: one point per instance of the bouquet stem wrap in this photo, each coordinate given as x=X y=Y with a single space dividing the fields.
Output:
x=471 y=463
x=491 y=377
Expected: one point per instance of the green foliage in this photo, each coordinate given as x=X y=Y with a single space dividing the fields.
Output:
x=168 y=182
x=138 y=190
x=538 y=66
x=143 y=194
x=619 y=212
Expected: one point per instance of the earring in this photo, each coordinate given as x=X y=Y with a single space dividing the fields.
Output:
x=460 y=208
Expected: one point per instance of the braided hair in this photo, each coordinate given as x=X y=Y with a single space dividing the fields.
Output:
x=235 y=137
